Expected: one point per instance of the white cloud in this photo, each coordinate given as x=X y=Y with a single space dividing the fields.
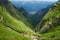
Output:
x=34 y=0
x=21 y=0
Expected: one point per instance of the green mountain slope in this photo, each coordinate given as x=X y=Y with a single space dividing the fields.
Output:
x=11 y=27
x=13 y=24
x=8 y=34
x=50 y=24
x=13 y=11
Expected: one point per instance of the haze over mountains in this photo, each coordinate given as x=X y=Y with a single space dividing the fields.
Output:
x=32 y=6
x=37 y=8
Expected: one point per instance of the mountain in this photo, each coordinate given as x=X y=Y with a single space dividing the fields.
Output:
x=26 y=15
x=15 y=23
x=24 y=12
x=50 y=24
x=36 y=18
x=11 y=28
x=15 y=13
x=37 y=7
x=40 y=8
x=31 y=6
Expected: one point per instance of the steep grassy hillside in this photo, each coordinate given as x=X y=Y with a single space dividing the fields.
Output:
x=50 y=24
x=12 y=26
x=12 y=22
x=8 y=34
x=14 y=12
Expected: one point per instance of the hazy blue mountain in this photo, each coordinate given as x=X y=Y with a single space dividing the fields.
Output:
x=31 y=6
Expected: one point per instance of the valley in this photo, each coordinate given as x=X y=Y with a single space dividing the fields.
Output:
x=18 y=24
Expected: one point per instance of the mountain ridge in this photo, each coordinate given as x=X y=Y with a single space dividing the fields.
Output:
x=13 y=26
x=10 y=24
x=50 y=24
x=32 y=6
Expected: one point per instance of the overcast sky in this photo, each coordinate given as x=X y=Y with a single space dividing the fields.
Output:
x=35 y=0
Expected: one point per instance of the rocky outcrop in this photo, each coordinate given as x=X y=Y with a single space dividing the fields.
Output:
x=45 y=28
x=55 y=22
x=1 y=19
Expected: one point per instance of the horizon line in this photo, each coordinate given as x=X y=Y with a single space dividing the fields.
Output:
x=33 y=0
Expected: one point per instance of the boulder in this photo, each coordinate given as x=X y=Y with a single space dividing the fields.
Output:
x=44 y=29
x=1 y=19
x=56 y=21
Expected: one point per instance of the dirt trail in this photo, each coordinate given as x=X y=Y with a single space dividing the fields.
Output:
x=26 y=35
x=32 y=37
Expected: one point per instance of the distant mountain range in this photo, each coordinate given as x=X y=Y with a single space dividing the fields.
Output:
x=39 y=9
x=32 y=6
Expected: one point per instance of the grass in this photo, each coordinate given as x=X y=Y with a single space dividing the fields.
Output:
x=54 y=31
x=16 y=14
x=54 y=12
x=17 y=25
x=8 y=34
x=8 y=20
x=14 y=23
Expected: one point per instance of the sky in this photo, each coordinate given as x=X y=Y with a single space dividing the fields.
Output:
x=36 y=0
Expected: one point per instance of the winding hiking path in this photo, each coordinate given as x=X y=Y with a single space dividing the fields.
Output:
x=28 y=36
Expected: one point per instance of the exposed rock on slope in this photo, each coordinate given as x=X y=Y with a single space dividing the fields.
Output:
x=1 y=19
x=55 y=22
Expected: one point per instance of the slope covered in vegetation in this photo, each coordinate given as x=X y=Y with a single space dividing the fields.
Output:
x=8 y=34
x=10 y=27
x=14 y=25
x=13 y=11
x=50 y=24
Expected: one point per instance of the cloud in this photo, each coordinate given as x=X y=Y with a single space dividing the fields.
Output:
x=34 y=0
x=21 y=0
